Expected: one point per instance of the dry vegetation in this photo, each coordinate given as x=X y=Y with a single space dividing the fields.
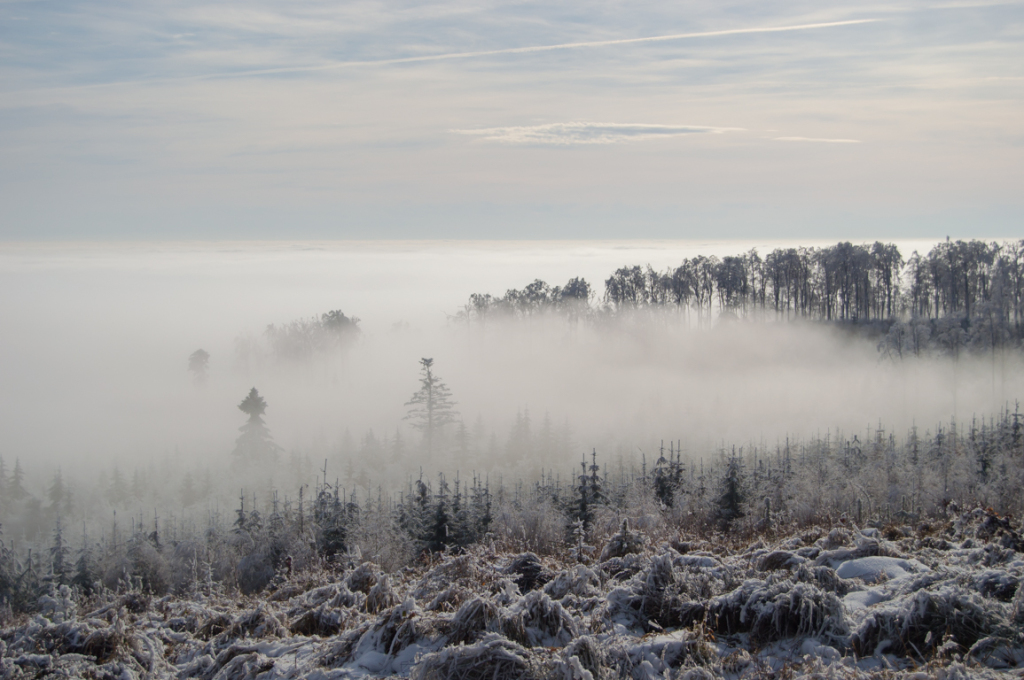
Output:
x=941 y=598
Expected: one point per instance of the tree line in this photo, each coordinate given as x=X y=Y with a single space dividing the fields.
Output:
x=968 y=280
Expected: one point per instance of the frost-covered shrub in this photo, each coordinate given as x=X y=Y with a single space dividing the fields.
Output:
x=825 y=578
x=257 y=623
x=804 y=610
x=134 y=603
x=580 y=581
x=836 y=537
x=493 y=658
x=780 y=559
x=449 y=599
x=362 y=578
x=623 y=568
x=392 y=632
x=473 y=618
x=538 y=621
x=527 y=571
x=540 y=526
x=381 y=596
x=254 y=572
x=655 y=657
x=214 y=625
x=587 y=654
x=466 y=571
x=662 y=592
x=624 y=542
x=697 y=674
x=149 y=568
x=996 y=583
x=1017 y=607
x=185 y=563
x=997 y=652
x=918 y=623
x=657 y=597
x=333 y=595
x=775 y=609
x=59 y=605
x=323 y=621
x=239 y=663
x=72 y=637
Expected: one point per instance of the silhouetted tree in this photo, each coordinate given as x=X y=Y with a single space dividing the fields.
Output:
x=59 y=552
x=16 y=487
x=85 y=575
x=431 y=407
x=255 y=444
x=732 y=494
x=198 y=363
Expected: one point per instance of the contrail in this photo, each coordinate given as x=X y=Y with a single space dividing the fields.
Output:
x=540 y=48
x=470 y=55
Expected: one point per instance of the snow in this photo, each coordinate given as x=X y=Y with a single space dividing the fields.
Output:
x=871 y=569
x=762 y=609
x=865 y=598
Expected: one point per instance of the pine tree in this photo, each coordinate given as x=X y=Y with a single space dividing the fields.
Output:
x=397 y=447
x=589 y=491
x=59 y=554
x=732 y=494
x=85 y=570
x=198 y=364
x=330 y=515
x=481 y=508
x=431 y=407
x=56 y=493
x=17 y=485
x=597 y=494
x=439 y=535
x=662 y=479
x=255 y=445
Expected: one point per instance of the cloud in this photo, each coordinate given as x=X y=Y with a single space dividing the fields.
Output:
x=543 y=48
x=817 y=139
x=254 y=21
x=610 y=43
x=587 y=133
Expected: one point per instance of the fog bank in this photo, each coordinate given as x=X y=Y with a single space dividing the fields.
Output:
x=98 y=340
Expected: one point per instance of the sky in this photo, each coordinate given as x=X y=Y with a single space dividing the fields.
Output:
x=510 y=120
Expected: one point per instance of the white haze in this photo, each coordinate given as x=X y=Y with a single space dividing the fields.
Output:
x=96 y=340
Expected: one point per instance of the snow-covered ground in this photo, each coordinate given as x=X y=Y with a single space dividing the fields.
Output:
x=936 y=600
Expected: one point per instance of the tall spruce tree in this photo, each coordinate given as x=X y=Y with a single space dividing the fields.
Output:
x=59 y=551
x=732 y=494
x=432 y=406
x=255 y=445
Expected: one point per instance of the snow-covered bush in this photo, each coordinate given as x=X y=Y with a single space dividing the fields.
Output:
x=919 y=623
x=493 y=658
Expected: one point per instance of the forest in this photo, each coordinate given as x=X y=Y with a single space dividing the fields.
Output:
x=447 y=548
x=975 y=285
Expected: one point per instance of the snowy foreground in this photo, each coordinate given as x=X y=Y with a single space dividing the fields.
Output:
x=938 y=600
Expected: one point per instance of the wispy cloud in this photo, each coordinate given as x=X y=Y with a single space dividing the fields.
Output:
x=817 y=139
x=447 y=56
x=588 y=133
x=560 y=46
